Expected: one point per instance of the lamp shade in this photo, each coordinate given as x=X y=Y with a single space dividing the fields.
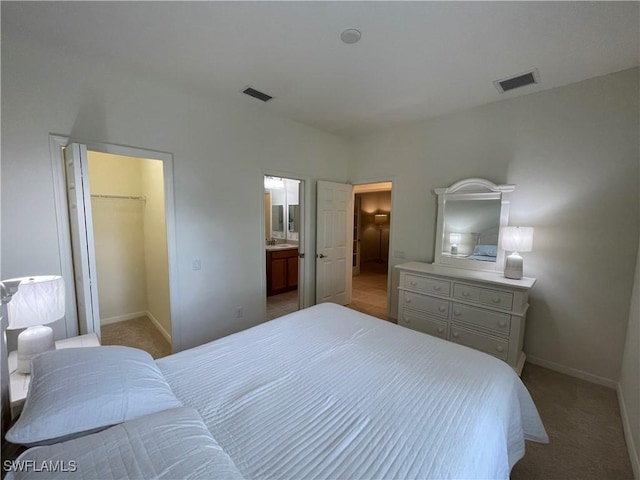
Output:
x=380 y=218
x=38 y=301
x=516 y=239
x=455 y=238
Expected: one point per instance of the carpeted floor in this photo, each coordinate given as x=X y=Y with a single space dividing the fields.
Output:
x=139 y=333
x=584 y=426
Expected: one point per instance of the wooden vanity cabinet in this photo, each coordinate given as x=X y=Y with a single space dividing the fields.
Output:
x=282 y=271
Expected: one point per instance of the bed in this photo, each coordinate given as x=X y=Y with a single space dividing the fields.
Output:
x=326 y=392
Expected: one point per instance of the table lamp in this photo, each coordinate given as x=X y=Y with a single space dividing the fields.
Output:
x=454 y=240
x=515 y=240
x=37 y=302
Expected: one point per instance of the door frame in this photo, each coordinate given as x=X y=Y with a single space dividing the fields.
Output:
x=303 y=237
x=392 y=222
x=56 y=143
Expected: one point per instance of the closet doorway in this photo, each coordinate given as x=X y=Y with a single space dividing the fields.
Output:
x=130 y=241
x=284 y=245
x=371 y=234
x=131 y=191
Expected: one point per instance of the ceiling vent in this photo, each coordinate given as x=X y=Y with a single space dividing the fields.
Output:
x=517 y=81
x=252 y=92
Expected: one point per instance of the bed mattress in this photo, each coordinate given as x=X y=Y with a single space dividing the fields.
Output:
x=328 y=392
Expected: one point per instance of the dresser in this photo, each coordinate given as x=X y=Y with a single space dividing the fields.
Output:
x=482 y=310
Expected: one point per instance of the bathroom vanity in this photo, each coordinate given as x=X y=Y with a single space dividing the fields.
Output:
x=282 y=268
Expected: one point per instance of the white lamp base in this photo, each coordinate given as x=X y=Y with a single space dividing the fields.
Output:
x=513 y=266
x=32 y=342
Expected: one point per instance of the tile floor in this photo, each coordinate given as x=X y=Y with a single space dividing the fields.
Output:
x=369 y=291
x=282 y=304
x=369 y=294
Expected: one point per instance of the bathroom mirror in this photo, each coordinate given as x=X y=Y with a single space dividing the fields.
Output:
x=294 y=215
x=277 y=218
x=470 y=214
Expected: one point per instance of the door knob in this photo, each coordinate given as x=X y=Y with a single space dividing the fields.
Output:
x=322 y=255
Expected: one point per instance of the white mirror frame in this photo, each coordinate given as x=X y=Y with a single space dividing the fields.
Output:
x=471 y=189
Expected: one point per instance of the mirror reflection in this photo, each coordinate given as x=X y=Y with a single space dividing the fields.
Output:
x=277 y=218
x=294 y=215
x=471 y=229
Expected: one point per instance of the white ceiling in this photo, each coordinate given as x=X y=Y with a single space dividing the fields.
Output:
x=415 y=60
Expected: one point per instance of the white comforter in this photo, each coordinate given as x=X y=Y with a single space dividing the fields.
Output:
x=328 y=392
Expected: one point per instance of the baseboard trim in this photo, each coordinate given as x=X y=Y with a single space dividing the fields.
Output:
x=626 y=427
x=573 y=372
x=160 y=328
x=122 y=318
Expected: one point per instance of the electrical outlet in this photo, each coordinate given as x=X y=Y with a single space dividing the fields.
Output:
x=239 y=312
x=196 y=264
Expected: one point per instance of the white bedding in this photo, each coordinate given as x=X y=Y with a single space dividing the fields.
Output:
x=328 y=392
x=167 y=445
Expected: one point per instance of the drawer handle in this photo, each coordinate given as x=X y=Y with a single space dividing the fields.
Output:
x=440 y=330
x=495 y=299
x=465 y=293
x=457 y=313
x=502 y=324
x=407 y=300
x=500 y=349
x=455 y=334
x=413 y=283
x=442 y=308
x=436 y=288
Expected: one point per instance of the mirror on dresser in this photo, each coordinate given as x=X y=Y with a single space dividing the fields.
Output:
x=470 y=214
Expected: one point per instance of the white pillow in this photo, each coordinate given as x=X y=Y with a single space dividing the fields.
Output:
x=76 y=391
x=166 y=445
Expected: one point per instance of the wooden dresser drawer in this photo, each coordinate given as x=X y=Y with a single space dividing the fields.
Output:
x=422 y=323
x=495 y=298
x=425 y=303
x=427 y=284
x=496 y=321
x=485 y=343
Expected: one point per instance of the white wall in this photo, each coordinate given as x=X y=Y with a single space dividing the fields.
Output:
x=629 y=388
x=572 y=153
x=220 y=153
x=155 y=245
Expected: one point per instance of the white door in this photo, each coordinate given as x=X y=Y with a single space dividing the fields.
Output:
x=333 y=242
x=81 y=226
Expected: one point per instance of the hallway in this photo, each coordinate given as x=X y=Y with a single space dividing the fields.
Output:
x=369 y=294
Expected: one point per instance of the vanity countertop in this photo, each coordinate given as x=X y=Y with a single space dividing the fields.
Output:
x=281 y=246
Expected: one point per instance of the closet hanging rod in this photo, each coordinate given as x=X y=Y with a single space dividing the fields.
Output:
x=125 y=197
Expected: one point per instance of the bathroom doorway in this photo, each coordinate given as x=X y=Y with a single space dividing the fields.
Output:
x=371 y=234
x=284 y=244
